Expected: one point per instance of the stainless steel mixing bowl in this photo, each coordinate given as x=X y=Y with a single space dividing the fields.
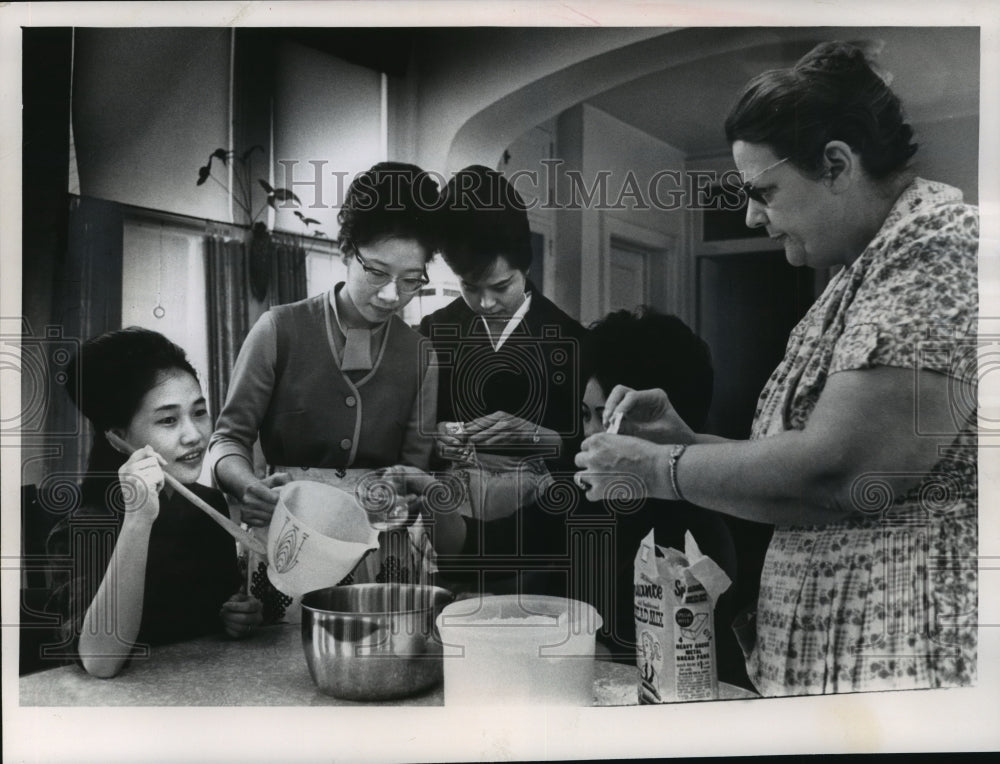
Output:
x=373 y=641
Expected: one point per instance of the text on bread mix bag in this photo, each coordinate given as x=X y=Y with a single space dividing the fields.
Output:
x=675 y=596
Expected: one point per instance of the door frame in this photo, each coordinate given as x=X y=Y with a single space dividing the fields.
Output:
x=543 y=225
x=657 y=244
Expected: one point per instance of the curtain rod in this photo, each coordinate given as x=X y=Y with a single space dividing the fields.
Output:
x=203 y=224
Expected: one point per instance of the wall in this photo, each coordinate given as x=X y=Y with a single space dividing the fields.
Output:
x=327 y=111
x=569 y=221
x=459 y=73
x=522 y=164
x=594 y=142
x=948 y=151
x=149 y=106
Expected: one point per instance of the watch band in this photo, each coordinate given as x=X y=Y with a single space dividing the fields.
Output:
x=674 y=457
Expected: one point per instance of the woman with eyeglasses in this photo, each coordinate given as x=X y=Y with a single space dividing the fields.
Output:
x=338 y=382
x=862 y=452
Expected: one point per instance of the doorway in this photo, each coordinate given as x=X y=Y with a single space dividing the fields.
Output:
x=628 y=282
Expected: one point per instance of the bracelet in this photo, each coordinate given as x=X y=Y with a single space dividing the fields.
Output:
x=674 y=457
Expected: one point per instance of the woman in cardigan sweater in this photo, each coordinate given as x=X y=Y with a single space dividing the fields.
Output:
x=338 y=381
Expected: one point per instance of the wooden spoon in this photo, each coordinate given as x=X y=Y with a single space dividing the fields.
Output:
x=234 y=530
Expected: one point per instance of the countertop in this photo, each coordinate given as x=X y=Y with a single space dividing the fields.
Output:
x=269 y=669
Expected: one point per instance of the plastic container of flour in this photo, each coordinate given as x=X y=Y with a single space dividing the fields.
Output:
x=518 y=650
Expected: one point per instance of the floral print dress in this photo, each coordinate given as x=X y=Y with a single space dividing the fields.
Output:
x=888 y=599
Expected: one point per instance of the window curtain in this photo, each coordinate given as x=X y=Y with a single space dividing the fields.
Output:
x=288 y=270
x=228 y=293
x=229 y=300
x=86 y=302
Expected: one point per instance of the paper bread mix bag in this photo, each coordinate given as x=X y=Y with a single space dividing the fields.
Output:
x=675 y=596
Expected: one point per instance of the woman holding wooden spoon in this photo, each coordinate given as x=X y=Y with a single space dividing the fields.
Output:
x=148 y=565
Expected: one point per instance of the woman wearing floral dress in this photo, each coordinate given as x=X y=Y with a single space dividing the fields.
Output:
x=863 y=447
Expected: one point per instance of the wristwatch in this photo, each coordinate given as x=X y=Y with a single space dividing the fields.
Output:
x=672 y=458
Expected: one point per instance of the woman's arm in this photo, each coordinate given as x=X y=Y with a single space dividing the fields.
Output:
x=418 y=441
x=864 y=424
x=449 y=528
x=112 y=621
x=230 y=449
x=257 y=496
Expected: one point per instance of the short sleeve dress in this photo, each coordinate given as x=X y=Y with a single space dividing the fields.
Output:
x=191 y=567
x=888 y=599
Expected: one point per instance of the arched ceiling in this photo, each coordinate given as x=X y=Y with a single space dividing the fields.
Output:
x=678 y=86
x=935 y=74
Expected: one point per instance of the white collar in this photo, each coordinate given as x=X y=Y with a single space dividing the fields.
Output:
x=508 y=330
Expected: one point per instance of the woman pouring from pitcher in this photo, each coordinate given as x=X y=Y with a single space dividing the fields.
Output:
x=338 y=384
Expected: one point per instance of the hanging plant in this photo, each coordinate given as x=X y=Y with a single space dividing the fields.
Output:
x=242 y=195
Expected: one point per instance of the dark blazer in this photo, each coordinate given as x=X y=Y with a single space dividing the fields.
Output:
x=534 y=375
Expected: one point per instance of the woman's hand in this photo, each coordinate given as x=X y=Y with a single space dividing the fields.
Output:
x=240 y=613
x=647 y=414
x=441 y=499
x=389 y=495
x=450 y=442
x=405 y=480
x=259 y=499
x=623 y=468
x=503 y=429
x=112 y=620
x=141 y=478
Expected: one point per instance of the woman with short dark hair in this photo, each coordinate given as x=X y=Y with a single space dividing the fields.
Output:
x=339 y=382
x=502 y=331
x=510 y=364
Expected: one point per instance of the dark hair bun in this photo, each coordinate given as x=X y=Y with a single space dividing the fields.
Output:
x=835 y=58
x=833 y=93
x=647 y=349
x=390 y=200
x=111 y=374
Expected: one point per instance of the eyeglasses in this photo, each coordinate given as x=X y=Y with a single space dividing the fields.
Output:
x=379 y=278
x=755 y=193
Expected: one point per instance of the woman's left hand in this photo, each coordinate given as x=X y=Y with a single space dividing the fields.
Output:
x=404 y=479
x=240 y=613
x=406 y=483
x=622 y=463
x=501 y=428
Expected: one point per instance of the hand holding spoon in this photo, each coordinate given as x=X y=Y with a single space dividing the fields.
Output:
x=234 y=530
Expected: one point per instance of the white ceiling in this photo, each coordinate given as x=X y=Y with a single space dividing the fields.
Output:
x=935 y=73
